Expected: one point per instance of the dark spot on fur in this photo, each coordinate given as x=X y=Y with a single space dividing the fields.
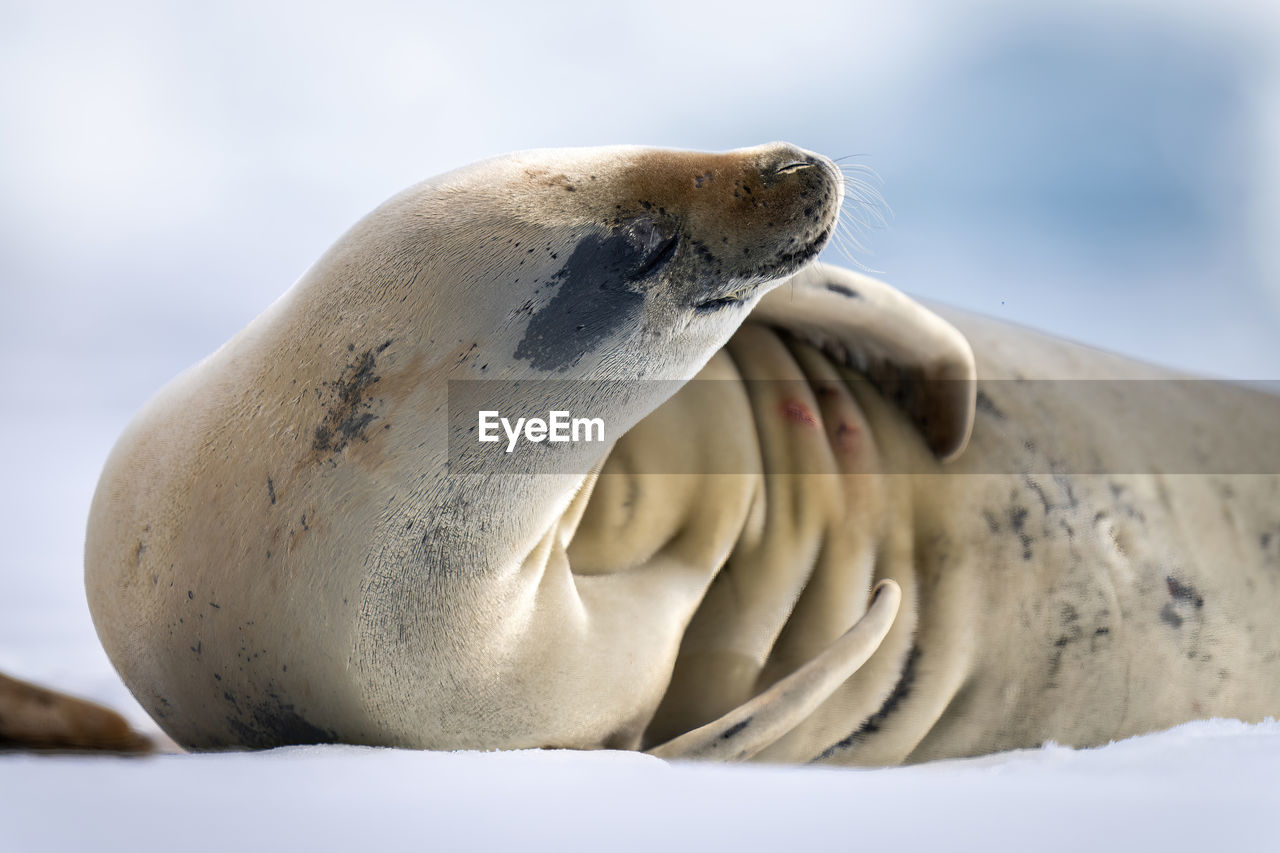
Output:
x=597 y=296
x=988 y=406
x=847 y=435
x=271 y=491
x=735 y=729
x=1123 y=499
x=1036 y=487
x=1064 y=483
x=1269 y=542
x=347 y=416
x=843 y=290
x=1183 y=592
x=1071 y=632
x=1185 y=604
x=1018 y=520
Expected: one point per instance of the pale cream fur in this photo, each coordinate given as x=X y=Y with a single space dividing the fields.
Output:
x=283 y=549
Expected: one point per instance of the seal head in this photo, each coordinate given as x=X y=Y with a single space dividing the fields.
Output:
x=620 y=247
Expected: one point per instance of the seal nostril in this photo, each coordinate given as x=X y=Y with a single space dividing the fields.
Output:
x=794 y=166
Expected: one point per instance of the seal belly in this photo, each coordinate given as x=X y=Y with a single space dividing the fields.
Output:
x=803 y=555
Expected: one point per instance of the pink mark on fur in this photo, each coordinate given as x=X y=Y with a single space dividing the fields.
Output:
x=797 y=412
x=847 y=435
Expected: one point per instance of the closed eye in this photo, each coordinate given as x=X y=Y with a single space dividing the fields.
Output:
x=716 y=303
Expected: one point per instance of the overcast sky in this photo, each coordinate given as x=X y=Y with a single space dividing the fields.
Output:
x=1107 y=171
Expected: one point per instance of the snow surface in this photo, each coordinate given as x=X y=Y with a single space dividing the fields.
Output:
x=1202 y=786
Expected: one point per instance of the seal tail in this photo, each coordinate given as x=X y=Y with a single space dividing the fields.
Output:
x=752 y=726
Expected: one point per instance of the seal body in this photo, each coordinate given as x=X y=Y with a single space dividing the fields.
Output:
x=1099 y=562
x=1116 y=524
x=849 y=539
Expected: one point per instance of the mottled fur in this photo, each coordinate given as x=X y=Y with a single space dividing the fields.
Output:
x=286 y=547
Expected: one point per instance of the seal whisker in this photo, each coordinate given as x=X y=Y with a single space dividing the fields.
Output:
x=865 y=209
x=848 y=243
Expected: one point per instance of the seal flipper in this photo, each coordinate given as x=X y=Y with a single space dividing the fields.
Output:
x=749 y=728
x=910 y=354
x=36 y=718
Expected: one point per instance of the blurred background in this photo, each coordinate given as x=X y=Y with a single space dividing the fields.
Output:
x=1107 y=171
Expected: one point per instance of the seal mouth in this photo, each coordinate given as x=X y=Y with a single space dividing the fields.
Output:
x=786 y=265
x=806 y=253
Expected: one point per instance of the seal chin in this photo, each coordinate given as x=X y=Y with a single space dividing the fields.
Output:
x=787 y=266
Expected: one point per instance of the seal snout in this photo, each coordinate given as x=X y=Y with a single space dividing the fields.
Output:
x=774 y=214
